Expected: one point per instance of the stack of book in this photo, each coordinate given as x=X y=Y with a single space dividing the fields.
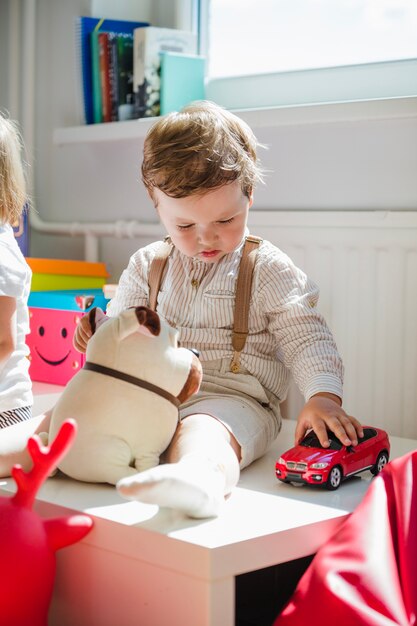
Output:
x=105 y=60
x=150 y=80
x=131 y=69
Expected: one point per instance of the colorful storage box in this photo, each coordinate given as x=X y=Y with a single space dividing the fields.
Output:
x=69 y=299
x=54 y=316
x=60 y=274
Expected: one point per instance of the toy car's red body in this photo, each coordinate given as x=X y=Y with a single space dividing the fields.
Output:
x=310 y=463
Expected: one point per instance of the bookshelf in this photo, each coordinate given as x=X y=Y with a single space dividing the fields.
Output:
x=112 y=131
x=268 y=117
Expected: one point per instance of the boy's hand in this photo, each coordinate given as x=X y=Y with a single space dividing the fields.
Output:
x=82 y=334
x=322 y=412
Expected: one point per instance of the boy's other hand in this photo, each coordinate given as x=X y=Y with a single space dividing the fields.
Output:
x=323 y=412
x=82 y=334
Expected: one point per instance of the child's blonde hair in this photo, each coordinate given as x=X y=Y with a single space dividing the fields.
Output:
x=201 y=148
x=12 y=178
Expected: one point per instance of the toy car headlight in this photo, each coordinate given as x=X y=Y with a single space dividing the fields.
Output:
x=319 y=465
x=281 y=461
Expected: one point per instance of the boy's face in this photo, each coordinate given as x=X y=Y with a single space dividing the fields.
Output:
x=207 y=226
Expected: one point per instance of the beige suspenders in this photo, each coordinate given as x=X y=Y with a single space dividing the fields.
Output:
x=243 y=290
x=156 y=271
x=242 y=300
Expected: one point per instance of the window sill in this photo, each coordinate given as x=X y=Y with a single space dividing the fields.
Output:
x=266 y=117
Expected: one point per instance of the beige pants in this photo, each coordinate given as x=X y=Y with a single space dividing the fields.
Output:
x=239 y=401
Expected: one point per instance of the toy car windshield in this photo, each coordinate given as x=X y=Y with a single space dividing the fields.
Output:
x=311 y=441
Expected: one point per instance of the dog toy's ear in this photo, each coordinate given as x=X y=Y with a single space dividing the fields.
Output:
x=139 y=319
x=149 y=322
x=96 y=317
x=193 y=382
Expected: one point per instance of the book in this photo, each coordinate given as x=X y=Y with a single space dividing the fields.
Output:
x=95 y=77
x=109 y=74
x=113 y=76
x=84 y=26
x=118 y=74
x=148 y=43
x=125 y=76
x=104 y=59
x=182 y=80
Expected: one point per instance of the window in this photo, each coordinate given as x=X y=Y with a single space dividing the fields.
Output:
x=248 y=37
x=309 y=50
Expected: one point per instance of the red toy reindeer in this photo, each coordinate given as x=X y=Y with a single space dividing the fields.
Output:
x=28 y=542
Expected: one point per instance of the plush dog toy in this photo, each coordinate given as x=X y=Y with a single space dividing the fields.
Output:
x=125 y=399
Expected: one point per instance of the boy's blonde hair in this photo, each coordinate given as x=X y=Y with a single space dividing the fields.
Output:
x=12 y=178
x=201 y=148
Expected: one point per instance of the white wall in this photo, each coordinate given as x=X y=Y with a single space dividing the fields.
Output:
x=356 y=163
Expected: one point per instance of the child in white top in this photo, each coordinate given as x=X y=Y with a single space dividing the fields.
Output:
x=200 y=168
x=16 y=421
x=15 y=277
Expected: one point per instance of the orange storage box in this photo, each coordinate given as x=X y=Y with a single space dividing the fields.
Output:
x=60 y=274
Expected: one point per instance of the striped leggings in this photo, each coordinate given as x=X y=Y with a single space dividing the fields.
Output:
x=8 y=418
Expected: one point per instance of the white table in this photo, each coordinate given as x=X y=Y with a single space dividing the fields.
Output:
x=143 y=566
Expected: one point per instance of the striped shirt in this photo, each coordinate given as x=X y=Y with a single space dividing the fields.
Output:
x=287 y=335
x=15 y=416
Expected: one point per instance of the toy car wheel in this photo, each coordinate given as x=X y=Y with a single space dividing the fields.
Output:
x=284 y=480
x=335 y=478
x=381 y=462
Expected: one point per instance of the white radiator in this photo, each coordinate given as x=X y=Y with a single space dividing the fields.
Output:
x=365 y=264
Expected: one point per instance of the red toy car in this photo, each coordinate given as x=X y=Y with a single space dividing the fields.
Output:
x=310 y=463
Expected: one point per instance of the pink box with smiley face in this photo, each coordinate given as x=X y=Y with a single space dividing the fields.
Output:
x=53 y=359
